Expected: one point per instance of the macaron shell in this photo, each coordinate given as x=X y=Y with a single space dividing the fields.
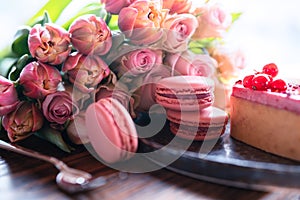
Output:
x=185 y=92
x=184 y=104
x=206 y=124
x=186 y=82
x=209 y=116
x=111 y=130
x=194 y=134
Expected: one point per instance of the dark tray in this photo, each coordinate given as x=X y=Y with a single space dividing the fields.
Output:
x=223 y=161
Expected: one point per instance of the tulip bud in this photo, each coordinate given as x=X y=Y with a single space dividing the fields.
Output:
x=178 y=6
x=49 y=43
x=141 y=22
x=85 y=72
x=23 y=121
x=178 y=30
x=8 y=96
x=90 y=35
x=114 y=7
x=213 y=21
x=39 y=79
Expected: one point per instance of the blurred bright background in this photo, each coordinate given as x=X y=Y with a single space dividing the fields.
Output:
x=268 y=30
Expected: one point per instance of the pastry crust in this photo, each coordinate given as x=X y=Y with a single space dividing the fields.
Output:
x=265 y=127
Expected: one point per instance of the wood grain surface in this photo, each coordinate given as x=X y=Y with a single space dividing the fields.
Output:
x=25 y=178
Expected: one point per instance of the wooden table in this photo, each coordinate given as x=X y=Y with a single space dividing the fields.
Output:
x=25 y=178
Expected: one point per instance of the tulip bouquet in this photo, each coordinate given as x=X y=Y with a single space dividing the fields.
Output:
x=111 y=47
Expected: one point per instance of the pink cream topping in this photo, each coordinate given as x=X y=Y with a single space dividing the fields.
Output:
x=285 y=101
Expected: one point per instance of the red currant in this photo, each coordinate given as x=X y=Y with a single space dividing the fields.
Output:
x=247 y=81
x=270 y=69
x=278 y=85
x=261 y=82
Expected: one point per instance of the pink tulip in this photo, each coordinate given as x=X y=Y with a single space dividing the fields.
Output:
x=177 y=6
x=39 y=79
x=49 y=43
x=230 y=61
x=189 y=63
x=8 y=96
x=213 y=21
x=23 y=121
x=141 y=22
x=178 y=30
x=90 y=35
x=114 y=6
x=141 y=61
x=86 y=72
x=59 y=107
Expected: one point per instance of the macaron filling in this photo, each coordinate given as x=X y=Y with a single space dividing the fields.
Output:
x=199 y=130
x=185 y=96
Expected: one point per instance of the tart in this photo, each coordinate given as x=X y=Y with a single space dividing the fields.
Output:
x=266 y=118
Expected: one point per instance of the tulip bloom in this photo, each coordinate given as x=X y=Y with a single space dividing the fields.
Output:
x=39 y=79
x=23 y=121
x=141 y=61
x=177 y=6
x=85 y=72
x=192 y=64
x=213 y=21
x=8 y=96
x=141 y=22
x=178 y=30
x=59 y=107
x=49 y=43
x=91 y=35
x=230 y=62
x=114 y=7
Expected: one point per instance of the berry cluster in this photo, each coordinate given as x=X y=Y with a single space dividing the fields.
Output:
x=265 y=80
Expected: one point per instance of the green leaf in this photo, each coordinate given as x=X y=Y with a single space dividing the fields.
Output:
x=17 y=68
x=200 y=46
x=113 y=23
x=54 y=9
x=235 y=16
x=92 y=8
x=53 y=136
x=20 y=45
x=6 y=65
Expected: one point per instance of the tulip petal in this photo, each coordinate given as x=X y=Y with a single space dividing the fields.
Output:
x=126 y=21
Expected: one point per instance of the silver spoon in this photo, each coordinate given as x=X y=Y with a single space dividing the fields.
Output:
x=68 y=179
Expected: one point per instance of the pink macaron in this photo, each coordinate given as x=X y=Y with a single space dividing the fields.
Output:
x=111 y=130
x=208 y=123
x=185 y=93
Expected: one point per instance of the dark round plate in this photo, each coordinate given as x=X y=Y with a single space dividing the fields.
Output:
x=224 y=161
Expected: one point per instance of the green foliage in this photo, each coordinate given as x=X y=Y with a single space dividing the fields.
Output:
x=20 y=46
x=17 y=67
x=113 y=22
x=93 y=8
x=53 y=136
x=53 y=7
x=200 y=46
x=6 y=65
x=235 y=16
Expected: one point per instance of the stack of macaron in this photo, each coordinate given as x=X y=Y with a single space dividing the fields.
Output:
x=188 y=101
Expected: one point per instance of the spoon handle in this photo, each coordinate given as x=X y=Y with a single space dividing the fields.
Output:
x=28 y=152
